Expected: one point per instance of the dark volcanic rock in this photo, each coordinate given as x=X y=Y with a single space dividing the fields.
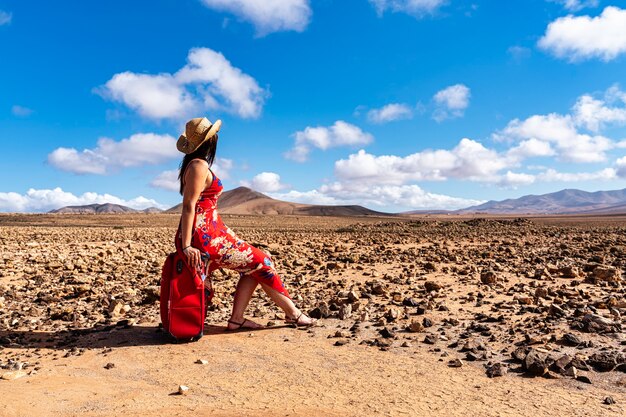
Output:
x=562 y=364
x=594 y=323
x=432 y=286
x=387 y=333
x=497 y=369
x=606 y=361
x=570 y=339
x=488 y=277
x=520 y=353
x=410 y=302
x=536 y=362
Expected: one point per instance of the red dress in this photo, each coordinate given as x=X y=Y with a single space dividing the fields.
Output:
x=223 y=247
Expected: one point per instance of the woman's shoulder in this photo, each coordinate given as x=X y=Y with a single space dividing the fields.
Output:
x=200 y=167
x=199 y=162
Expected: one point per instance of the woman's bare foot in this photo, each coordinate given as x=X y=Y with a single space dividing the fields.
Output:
x=301 y=320
x=243 y=324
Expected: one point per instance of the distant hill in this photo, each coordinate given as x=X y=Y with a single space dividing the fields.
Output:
x=618 y=209
x=243 y=200
x=567 y=201
x=94 y=209
x=152 y=210
x=106 y=208
x=424 y=212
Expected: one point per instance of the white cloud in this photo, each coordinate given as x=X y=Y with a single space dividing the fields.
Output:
x=268 y=15
x=451 y=102
x=416 y=8
x=469 y=160
x=5 y=17
x=613 y=94
x=559 y=131
x=578 y=38
x=152 y=96
x=168 y=180
x=552 y=175
x=339 y=134
x=515 y=179
x=407 y=196
x=389 y=113
x=46 y=200
x=137 y=150
x=594 y=114
x=21 y=111
x=265 y=182
x=530 y=148
x=403 y=197
x=221 y=81
x=564 y=136
x=85 y=162
x=208 y=82
x=621 y=167
x=305 y=197
x=576 y=5
x=384 y=194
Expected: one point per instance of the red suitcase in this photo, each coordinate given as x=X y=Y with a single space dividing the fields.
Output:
x=184 y=298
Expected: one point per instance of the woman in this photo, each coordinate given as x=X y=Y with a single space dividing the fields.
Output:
x=202 y=232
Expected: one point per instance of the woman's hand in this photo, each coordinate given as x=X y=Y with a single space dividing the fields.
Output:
x=193 y=256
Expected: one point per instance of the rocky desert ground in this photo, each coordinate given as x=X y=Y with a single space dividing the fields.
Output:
x=423 y=316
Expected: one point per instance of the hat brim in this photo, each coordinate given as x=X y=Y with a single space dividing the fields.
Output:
x=180 y=144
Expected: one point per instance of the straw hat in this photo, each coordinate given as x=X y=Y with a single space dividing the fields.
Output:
x=197 y=131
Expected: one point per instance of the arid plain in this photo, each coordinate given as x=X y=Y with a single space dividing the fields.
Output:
x=419 y=316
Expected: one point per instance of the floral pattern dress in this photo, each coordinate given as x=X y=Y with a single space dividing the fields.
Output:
x=223 y=247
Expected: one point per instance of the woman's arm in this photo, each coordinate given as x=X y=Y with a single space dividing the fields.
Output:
x=195 y=181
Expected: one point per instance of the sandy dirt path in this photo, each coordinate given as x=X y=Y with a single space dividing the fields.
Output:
x=278 y=372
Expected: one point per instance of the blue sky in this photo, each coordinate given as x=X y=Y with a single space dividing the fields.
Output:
x=392 y=104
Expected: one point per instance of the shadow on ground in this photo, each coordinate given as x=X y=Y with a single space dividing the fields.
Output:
x=99 y=337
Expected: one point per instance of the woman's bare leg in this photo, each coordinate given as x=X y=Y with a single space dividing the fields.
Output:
x=286 y=305
x=243 y=294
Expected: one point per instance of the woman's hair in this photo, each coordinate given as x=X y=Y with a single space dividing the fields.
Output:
x=205 y=151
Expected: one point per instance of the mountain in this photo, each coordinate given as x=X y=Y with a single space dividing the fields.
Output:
x=106 y=208
x=618 y=209
x=151 y=210
x=567 y=201
x=425 y=212
x=243 y=200
x=94 y=209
